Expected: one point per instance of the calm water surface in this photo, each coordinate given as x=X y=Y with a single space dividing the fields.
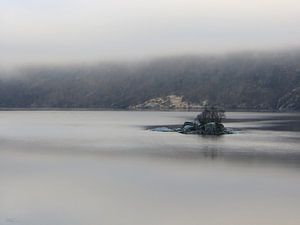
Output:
x=102 y=167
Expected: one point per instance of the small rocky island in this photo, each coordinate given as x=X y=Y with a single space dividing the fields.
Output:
x=208 y=122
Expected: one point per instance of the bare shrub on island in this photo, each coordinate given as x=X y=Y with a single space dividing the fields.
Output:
x=211 y=114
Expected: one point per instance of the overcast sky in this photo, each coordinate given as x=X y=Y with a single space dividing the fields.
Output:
x=41 y=31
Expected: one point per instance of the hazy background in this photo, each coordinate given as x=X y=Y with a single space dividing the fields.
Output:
x=62 y=31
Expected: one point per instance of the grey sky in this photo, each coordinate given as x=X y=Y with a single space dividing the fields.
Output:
x=42 y=31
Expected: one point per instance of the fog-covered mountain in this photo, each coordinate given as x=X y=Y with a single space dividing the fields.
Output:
x=260 y=81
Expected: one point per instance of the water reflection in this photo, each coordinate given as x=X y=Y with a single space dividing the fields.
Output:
x=104 y=168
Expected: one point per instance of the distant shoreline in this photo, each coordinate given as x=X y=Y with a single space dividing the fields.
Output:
x=135 y=110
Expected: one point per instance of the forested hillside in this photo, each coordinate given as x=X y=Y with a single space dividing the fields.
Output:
x=243 y=81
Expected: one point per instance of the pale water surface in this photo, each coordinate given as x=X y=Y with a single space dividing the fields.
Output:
x=105 y=168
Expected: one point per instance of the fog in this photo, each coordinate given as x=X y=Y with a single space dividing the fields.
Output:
x=68 y=31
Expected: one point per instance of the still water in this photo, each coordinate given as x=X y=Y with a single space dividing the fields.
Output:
x=106 y=168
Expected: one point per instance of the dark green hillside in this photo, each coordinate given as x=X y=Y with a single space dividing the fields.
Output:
x=257 y=81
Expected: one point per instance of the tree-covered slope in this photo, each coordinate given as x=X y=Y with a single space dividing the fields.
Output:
x=257 y=81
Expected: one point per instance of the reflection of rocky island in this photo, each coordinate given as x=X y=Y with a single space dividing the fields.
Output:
x=209 y=122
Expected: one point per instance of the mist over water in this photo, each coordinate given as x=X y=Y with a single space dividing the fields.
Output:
x=64 y=31
x=107 y=167
x=94 y=167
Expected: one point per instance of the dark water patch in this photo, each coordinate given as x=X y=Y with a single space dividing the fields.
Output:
x=283 y=125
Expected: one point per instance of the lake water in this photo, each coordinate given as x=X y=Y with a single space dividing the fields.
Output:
x=105 y=168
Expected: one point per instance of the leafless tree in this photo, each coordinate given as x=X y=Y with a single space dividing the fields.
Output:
x=211 y=114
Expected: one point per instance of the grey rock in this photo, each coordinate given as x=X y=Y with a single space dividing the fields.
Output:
x=162 y=129
x=187 y=128
x=290 y=101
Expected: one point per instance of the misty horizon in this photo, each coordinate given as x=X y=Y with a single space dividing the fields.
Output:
x=63 y=32
x=284 y=53
x=143 y=112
